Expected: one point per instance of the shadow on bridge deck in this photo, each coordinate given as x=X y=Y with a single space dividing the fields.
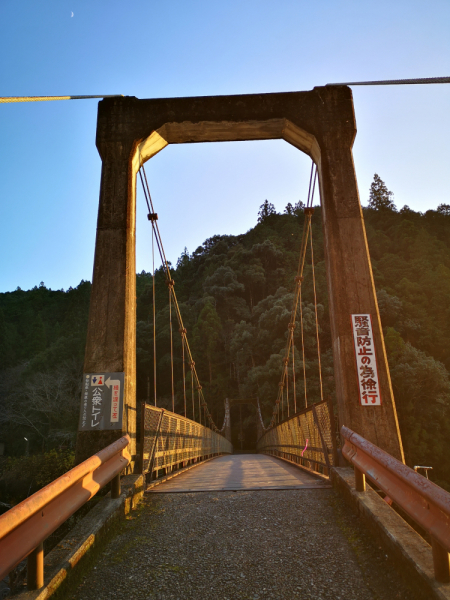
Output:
x=238 y=472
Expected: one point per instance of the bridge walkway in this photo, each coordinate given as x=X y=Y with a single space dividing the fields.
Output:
x=280 y=535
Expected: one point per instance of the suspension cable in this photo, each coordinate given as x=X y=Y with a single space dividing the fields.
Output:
x=153 y=217
x=293 y=370
x=287 y=387
x=192 y=394
x=303 y=348
x=420 y=80
x=154 y=315
x=9 y=99
x=317 y=320
x=308 y=211
x=183 y=335
x=171 y=343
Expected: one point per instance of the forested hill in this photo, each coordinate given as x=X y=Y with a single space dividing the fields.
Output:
x=235 y=294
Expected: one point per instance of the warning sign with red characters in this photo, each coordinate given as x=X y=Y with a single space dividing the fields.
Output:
x=366 y=362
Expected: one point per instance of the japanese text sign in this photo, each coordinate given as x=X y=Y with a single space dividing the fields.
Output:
x=101 y=401
x=366 y=362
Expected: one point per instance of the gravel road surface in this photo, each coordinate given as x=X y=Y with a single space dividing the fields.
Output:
x=274 y=544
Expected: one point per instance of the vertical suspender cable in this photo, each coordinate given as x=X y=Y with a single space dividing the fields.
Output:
x=287 y=388
x=171 y=345
x=303 y=346
x=192 y=386
x=183 y=334
x=317 y=320
x=293 y=372
x=154 y=315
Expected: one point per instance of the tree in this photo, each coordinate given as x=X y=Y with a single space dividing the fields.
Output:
x=207 y=332
x=289 y=210
x=266 y=210
x=444 y=209
x=380 y=197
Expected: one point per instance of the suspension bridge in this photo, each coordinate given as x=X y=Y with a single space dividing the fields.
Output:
x=310 y=453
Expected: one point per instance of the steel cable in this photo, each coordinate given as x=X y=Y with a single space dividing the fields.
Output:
x=166 y=268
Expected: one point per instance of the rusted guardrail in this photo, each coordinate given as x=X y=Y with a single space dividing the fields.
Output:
x=423 y=501
x=24 y=527
x=170 y=441
x=305 y=439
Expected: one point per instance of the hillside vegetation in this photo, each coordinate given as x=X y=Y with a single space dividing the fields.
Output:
x=235 y=295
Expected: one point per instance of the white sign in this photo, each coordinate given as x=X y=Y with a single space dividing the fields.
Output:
x=366 y=361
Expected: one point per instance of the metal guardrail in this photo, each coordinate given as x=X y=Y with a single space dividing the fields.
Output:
x=170 y=441
x=24 y=527
x=422 y=500
x=306 y=439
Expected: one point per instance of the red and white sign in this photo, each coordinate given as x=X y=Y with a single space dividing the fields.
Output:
x=114 y=385
x=366 y=362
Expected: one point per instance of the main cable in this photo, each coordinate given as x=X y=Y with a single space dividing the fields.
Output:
x=420 y=81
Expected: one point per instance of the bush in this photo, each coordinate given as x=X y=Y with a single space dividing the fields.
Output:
x=24 y=475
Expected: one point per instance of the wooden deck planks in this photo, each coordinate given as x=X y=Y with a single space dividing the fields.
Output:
x=241 y=472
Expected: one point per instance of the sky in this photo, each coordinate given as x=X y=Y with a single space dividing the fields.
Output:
x=50 y=168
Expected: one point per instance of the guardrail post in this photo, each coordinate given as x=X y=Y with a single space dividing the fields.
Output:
x=440 y=562
x=35 y=568
x=360 y=481
x=115 y=486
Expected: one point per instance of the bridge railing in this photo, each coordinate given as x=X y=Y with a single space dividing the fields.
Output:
x=24 y=527
x=170 y=441
x=305 y=439
x=422 y=500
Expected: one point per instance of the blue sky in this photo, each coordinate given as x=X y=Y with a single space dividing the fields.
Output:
x=50 y=168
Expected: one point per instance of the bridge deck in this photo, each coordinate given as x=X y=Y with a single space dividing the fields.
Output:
x=300 y=542
x=241 y=472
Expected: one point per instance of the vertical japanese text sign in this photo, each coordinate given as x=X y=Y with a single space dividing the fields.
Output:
x=366 y=362
x=101 y=401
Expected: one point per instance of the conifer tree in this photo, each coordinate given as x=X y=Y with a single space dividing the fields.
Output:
x=265 y=210
x=380 y=197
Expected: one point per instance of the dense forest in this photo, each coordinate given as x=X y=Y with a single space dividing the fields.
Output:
x=235 y=295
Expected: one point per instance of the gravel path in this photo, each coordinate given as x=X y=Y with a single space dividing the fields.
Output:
x=253 y=545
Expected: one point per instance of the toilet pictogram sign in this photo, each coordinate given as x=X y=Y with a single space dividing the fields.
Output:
x=101 y=401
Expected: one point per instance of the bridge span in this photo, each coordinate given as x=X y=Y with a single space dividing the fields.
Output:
x=268 y=525
x=244 y=527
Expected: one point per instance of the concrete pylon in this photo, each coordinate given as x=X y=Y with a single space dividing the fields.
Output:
x=320 y=123
x=111 y=337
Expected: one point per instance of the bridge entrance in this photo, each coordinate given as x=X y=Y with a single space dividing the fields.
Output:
x=320 y=123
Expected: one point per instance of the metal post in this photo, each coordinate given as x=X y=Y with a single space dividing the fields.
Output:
x=115 y=486
x=360 y=481
x=35 y=568
x=440 y=562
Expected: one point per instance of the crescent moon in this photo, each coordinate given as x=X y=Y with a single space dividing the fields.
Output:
x=71 y=15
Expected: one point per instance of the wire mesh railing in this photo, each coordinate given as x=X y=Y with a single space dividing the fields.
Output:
x=170 y=442
x=305 y=439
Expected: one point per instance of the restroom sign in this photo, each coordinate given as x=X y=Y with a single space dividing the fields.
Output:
x=101 y=402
